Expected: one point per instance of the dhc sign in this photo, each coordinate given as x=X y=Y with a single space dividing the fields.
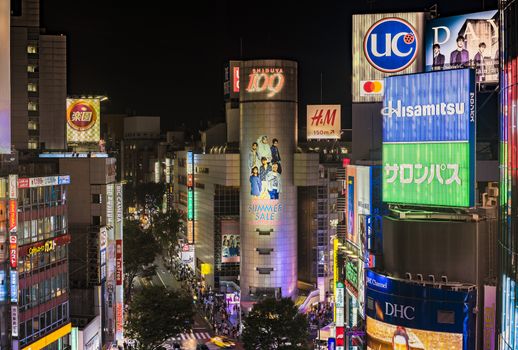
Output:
x=391 y=45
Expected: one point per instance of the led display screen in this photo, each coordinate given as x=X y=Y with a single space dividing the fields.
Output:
x=462 y=41
x=429 y=124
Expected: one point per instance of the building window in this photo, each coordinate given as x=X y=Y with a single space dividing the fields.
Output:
x=32 y=87
x=32 y=68
x=32 y=125
x=96 y=198
x=32 y=106
x=32 y=144
x=31 y=48
x=96 y=220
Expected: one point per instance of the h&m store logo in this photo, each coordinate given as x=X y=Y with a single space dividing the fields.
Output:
x=391 y=45
x=269 y=80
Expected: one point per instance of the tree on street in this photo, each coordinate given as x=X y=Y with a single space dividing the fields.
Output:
x=157 y=314
x=140 y=251
x=166 y=228
x=149 y=194
x=275 y=324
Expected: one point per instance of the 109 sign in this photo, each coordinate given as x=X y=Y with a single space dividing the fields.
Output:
x=391 y=45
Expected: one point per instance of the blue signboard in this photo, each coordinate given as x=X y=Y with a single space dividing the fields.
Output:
x=430 y=107
x=331 y=344
x=414 y=306
x=391 y=45
x=14 y=286
x=3 y=286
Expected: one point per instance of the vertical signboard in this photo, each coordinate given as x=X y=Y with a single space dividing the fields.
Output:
x=13 y=251
x=429 y=139
x=5 y=77
x=469 y=40
x=340 y=338
x=110 y=206
x=14 y=321
x=351 y=205
x=13 y=283
x=3 y=286
x=103 y=243
x=323 y=122
x=119 y=275
x=83 y=120
x=383 y=45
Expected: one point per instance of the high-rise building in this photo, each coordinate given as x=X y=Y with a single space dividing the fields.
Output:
x=38 y=247
x=141 y=139
x=508 y=236
x=38 y=81
x=268 y=137
x=95 y=221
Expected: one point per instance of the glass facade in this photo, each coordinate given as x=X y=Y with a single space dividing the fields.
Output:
x=43 y=286
x=508 y=236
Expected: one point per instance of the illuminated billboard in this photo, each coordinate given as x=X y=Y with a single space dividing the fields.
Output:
x=5 y=77
x=406 y=315
x=83 y=120
x=323 y=122
x=469 y=40
x=230 y=241
x=429 y=124
x=382 y=45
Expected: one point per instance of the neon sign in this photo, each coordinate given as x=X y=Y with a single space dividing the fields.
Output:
x=270 y=80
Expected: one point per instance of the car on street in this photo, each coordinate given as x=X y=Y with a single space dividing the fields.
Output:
x=222 y=342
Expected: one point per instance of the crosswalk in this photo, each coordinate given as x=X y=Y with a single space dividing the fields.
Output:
x=188 y=336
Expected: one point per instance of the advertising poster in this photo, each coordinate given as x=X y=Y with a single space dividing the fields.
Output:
x=5 y=77
x=265 y=180
x=83 y=120
x=323 y=122
x=469 y=40
x=230 y=241
x=405 y=315
x=384 y=44
x=429 y=122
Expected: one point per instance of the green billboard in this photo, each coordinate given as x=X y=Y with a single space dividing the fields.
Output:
x=427 y=173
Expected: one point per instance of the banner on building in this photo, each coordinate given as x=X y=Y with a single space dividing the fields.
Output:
x=429 y=124
x=323 y=122
x=83 y=120
x=383 y=45
x=469 y=40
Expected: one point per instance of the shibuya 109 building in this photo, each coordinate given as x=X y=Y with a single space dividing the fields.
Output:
x=268 y=196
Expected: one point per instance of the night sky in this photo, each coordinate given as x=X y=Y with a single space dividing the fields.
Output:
x=151 y=60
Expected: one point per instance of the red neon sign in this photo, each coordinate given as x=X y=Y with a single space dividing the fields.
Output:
x=13 y=251
x=235 y=79
x=118 y=262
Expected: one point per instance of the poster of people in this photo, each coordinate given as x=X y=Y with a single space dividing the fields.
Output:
x=265 y=169
x=230 y=241
x=469 y=40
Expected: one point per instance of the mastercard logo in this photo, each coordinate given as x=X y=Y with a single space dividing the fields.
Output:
x=374 y=87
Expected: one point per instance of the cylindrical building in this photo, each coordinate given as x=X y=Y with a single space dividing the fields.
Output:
x=268 y=137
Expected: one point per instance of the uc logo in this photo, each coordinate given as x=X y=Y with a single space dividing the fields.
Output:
x=391 y=45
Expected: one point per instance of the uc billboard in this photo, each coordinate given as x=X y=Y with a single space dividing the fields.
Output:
x=404 y=315
x=384 y=44
x=429 y=124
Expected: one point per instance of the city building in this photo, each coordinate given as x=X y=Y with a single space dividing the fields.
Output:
x=508 y=234
x=141 y=139
x=95 y=222
x=38 y=81
x=37 y=230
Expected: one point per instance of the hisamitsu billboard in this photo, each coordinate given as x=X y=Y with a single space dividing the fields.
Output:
x=429 y=122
